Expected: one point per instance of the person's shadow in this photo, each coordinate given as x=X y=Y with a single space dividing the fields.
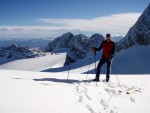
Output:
x=70 y=81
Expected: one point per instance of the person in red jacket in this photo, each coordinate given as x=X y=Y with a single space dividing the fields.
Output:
x=108 y=47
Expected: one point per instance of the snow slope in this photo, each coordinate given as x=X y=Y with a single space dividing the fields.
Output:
x=134 y=60
x=36 y=64
x=39 y=92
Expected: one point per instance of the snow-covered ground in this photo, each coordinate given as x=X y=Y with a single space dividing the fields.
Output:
x=36 y=64
x=50 y=92
x=41 y=92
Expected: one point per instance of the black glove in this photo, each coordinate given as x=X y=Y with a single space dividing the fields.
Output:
x=93 y=49
x=110 y=56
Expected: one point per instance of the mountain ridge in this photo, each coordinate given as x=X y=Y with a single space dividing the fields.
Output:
x=138 y=34
x=79 y=46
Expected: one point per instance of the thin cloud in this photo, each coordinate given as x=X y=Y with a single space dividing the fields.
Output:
x=117 y=24
x=110 y=23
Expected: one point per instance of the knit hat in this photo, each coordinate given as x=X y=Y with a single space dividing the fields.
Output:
x=108 y=35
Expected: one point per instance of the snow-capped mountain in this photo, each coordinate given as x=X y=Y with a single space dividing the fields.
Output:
x=78 y=46
x=28 y=42
x=19 y=52
x=139 y=33
x=60 y=42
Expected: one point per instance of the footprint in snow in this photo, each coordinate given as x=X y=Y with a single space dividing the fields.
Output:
x=132 y=99
x=112 y=111
x=77 y=88
x=80 y=99
x=88 y=97
x=112 y=91
x=82 y=90
x=112 y=85
x=90 y=109
x=104 y=103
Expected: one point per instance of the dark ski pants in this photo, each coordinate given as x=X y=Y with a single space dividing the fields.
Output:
x=101 y=62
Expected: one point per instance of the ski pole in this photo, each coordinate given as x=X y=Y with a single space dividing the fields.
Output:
x=95 y=63
x=95 y=60
x=116 y=75
x=68 y=71
x=88 y=68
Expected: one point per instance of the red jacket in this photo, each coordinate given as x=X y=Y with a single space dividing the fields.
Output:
x=108 y=49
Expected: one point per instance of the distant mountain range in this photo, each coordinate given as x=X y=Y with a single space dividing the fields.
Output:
x=15 y=52
x=25 y=42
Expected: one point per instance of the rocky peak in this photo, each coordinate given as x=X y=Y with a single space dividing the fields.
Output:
x=60 y=42
x=96 y=39
x=139 y=33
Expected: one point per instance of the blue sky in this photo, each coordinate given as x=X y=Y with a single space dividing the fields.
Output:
x=45 y=18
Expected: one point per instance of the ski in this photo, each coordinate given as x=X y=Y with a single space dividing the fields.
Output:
x=91 y=80
x=88 y=81
x=131 y=90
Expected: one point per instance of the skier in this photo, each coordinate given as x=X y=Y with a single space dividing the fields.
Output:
x=108 y=47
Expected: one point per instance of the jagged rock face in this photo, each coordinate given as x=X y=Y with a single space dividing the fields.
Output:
x=96 y=39
x=79 y=42
x=19 y=52
x=60 y=42
x=81 y=46
x=139 y=33
x=78 y=46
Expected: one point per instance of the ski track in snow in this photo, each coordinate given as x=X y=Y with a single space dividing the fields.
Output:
x=83 y=91
x=80 y=96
